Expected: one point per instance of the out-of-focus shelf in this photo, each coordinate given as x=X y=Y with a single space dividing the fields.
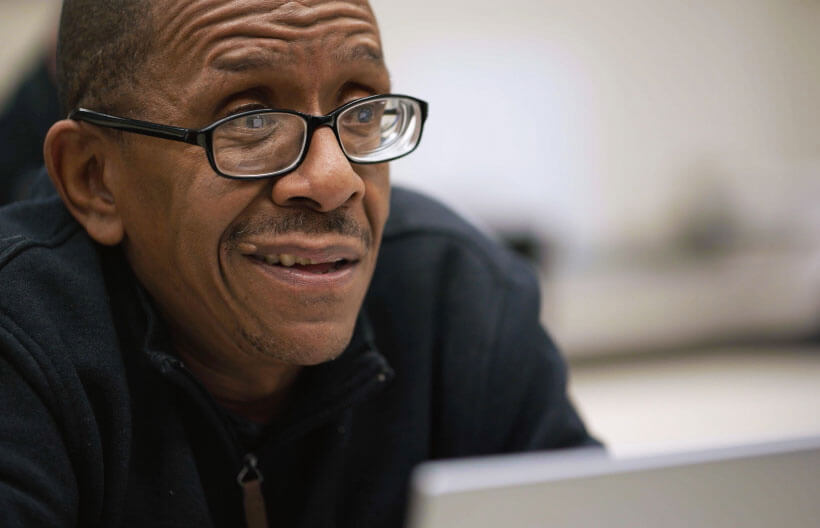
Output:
x=738 y=298
x=709 y=398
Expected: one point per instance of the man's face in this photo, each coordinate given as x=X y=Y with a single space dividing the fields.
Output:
x=206 y=247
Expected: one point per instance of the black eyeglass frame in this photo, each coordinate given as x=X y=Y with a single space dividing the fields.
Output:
x=203 y=137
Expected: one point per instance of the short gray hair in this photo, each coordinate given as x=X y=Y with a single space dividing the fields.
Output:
x=101 y=47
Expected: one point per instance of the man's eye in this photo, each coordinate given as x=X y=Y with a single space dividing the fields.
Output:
x=364 y=114
x=254 y=122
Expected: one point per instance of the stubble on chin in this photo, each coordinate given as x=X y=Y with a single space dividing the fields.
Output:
x=291 y=351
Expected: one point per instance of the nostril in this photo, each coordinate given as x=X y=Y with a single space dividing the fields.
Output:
x=304 y=201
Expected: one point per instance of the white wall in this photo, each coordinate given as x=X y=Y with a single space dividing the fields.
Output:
x=603 y=122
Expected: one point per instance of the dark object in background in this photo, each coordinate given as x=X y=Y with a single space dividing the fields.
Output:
x=523 y=243
x=25 y=119
x=535 y=249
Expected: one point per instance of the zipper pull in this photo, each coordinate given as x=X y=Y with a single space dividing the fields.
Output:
x=250 y=480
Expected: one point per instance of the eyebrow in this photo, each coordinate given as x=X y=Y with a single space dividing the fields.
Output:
x=358 y=52
x=257 y=59
x=265 y=58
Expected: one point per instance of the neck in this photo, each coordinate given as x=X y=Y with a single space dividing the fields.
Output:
x=255 y=392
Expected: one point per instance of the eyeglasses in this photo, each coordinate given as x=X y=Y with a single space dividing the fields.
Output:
x=270 y=142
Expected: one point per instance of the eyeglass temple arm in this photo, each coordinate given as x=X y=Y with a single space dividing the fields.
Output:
x=185 y=135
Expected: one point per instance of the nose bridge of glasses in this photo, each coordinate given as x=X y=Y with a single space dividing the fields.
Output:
x=316 y=122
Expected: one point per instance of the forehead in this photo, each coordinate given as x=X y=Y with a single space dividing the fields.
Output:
x=289 y=32
x=213 y=42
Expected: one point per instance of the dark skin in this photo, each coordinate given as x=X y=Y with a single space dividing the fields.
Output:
x=197 y=242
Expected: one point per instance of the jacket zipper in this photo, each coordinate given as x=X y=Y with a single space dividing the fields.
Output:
x=250 y=480
x=250 y=477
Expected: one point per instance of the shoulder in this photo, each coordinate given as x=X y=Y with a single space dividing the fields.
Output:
x=440 y=282
x=60 y=362
x=458 y=316
x=46 y=261
x=414 y=214
x=55 y=319
x=44 y=254
x=424 y=235
x=33 y=224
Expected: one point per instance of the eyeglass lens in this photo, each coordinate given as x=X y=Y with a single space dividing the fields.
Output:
x=270 y=142
x=259 y=143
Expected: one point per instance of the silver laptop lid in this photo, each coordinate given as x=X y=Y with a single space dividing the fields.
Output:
x=763 y=485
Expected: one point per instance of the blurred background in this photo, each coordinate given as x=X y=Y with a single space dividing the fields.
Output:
x=658 y=162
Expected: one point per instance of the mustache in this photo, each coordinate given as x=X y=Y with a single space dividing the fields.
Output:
x=304 y=221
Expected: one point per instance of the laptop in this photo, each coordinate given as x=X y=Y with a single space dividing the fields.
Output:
x=774 y=484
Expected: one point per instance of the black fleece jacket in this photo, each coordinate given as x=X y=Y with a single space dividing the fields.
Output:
x=103 y=426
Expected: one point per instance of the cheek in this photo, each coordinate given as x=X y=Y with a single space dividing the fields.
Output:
x=175 y=209
x=150 y=180
x=377 y=196
x=174 y=185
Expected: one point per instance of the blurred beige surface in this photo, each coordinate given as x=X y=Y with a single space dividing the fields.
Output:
x=712 y=397
x=23 y=26
x=681 y=302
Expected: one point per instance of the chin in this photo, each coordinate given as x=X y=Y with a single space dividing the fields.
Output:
x=304 y=348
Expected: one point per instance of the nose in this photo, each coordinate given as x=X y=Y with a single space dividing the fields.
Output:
x=324 y=181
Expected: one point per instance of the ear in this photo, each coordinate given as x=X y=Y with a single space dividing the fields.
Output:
x=75 y=158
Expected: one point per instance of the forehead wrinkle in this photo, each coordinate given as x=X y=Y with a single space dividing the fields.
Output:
x=180 y=20
x=274 y=53
x=288 y=21
x=305 y=14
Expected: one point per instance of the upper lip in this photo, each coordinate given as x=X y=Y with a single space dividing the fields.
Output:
x=317 y=251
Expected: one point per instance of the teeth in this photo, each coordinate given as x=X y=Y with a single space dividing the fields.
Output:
x=287 y=260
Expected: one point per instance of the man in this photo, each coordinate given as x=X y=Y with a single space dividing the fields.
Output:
x=197 y=333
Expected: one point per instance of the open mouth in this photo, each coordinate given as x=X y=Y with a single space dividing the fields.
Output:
x=305 y=265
